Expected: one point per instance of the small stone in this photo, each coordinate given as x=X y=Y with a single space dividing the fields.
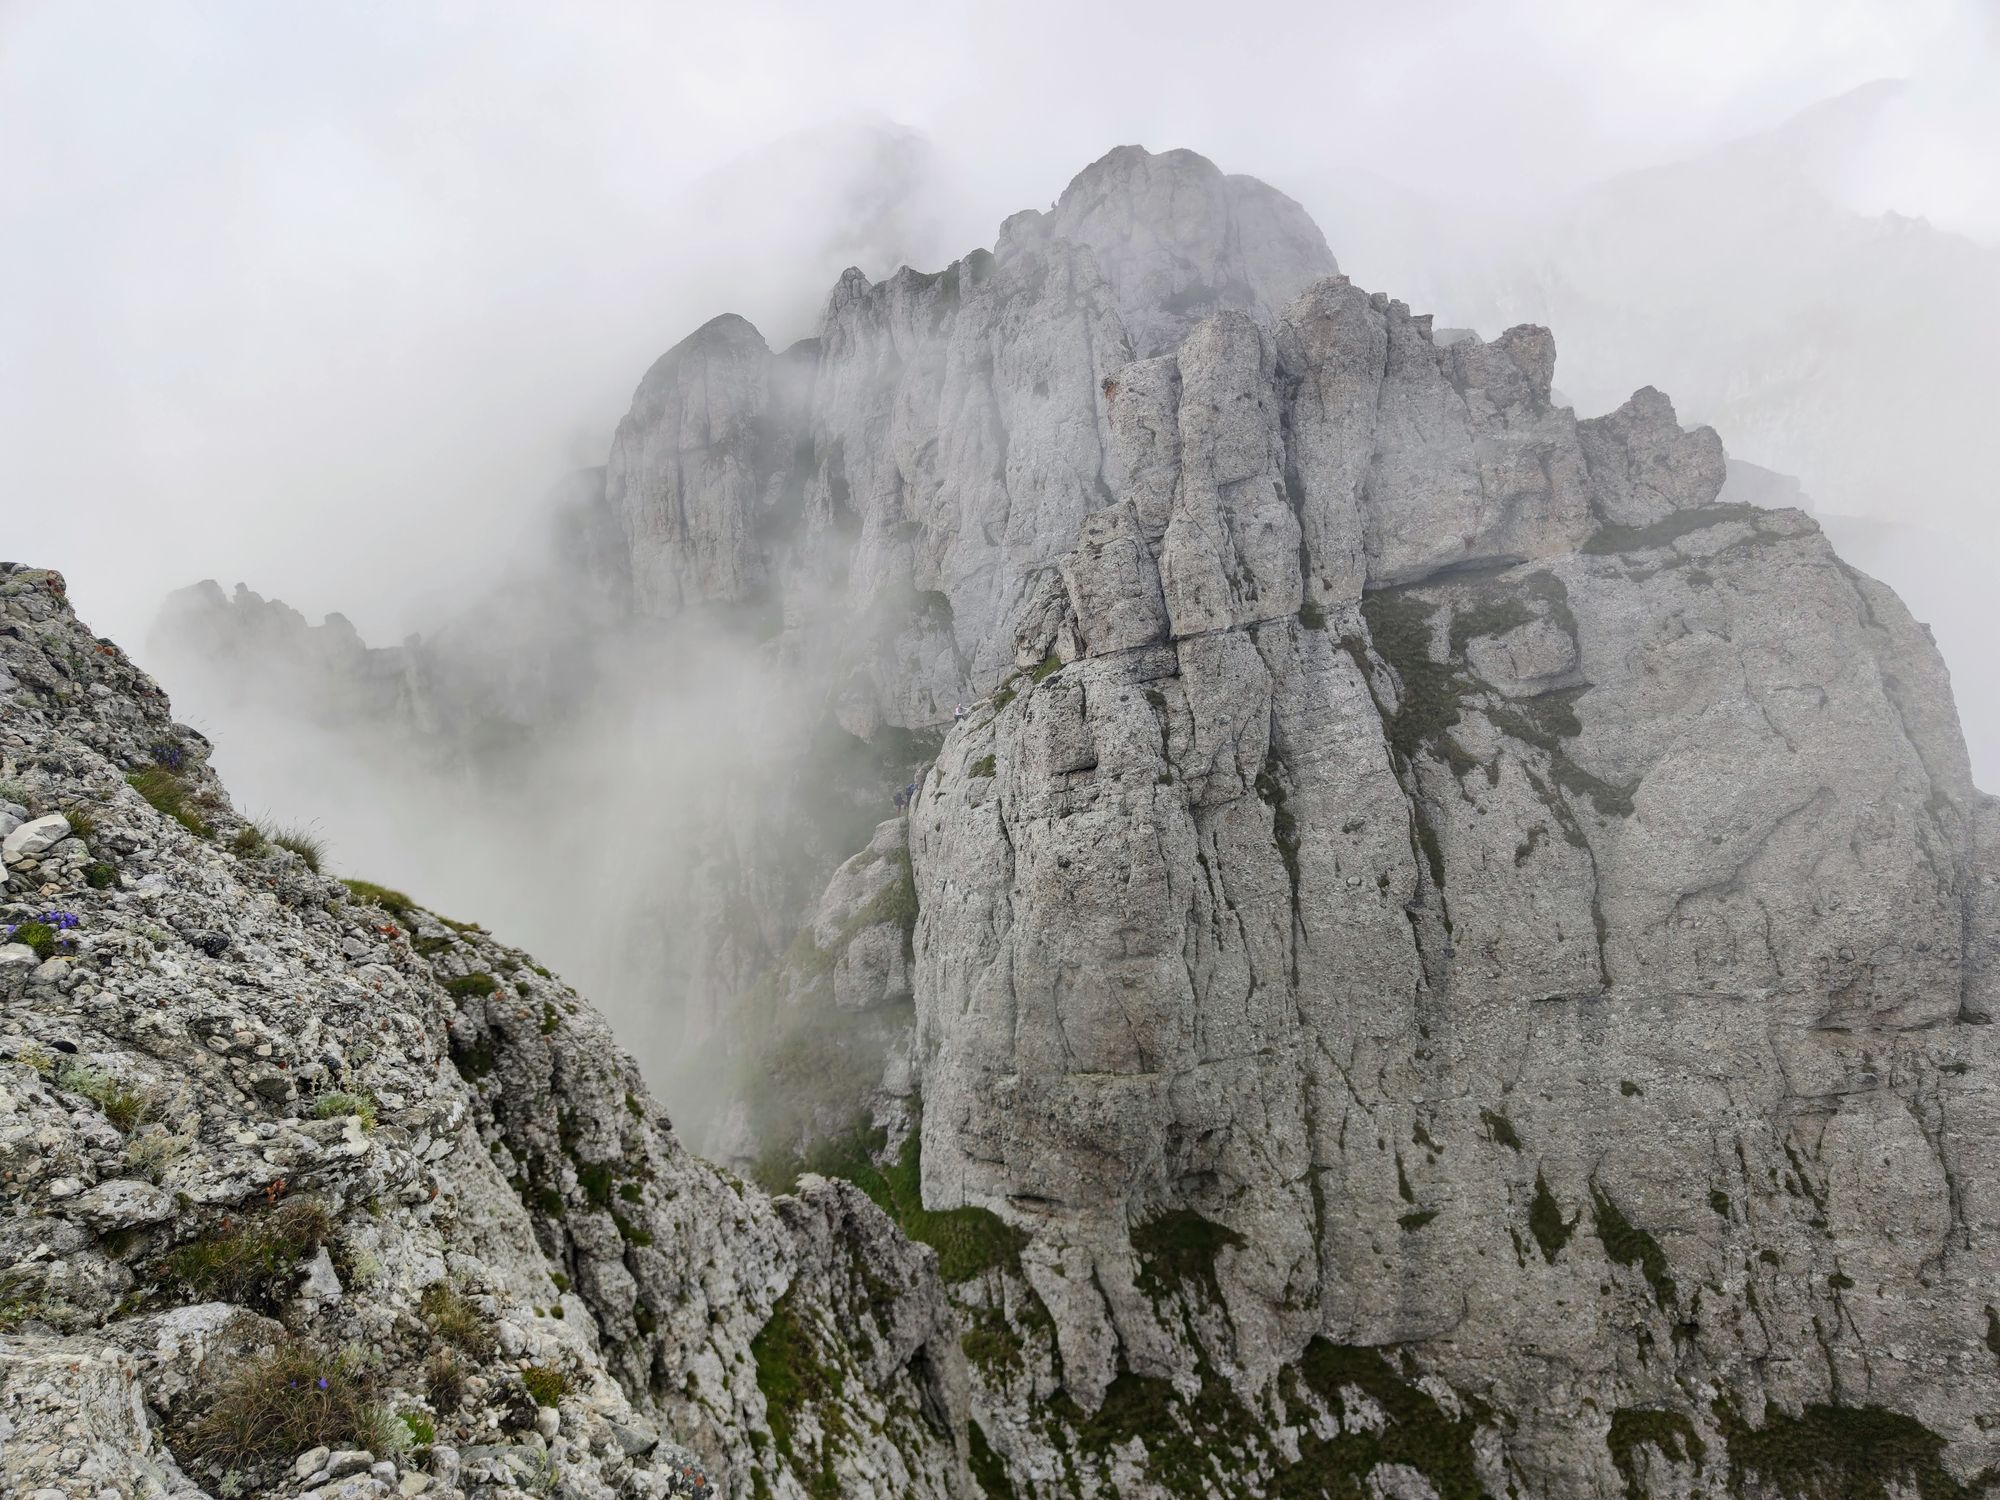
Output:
x=384 y=1471
x=36 y=836
x=121 y=1204
x=444 y=1462
x=635 y=1439
x=309 y=1462
x=413 y=1483
x=548 y=1422
x=348 y=1461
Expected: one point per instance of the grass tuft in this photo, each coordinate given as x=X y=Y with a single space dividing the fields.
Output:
x=471 y=986
x=251 y=1259
x=169 y=794
x=367 y=893
x=444 y=1381
x=269 y=1409
x=451 y=1316
x=334 y=1106
x=547 y=1384
x=127 y=1108
x=303 y=842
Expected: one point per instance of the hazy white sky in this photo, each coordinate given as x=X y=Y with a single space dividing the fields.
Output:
x=322 y=297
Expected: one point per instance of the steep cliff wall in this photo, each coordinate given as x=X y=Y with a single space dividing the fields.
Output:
x=1554 y=950
x=1445 y=959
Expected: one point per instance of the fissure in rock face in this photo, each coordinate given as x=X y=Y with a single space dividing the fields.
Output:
x=1447 y=957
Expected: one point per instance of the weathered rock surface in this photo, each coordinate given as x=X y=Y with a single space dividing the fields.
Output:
x=1448 y=957
x=1559 y=966
x=245 y=1108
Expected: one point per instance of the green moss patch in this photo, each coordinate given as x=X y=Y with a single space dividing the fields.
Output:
x=1177 y=1251
x=1837 y=1453
x=1629 y=1245
x=1546 y=1223
x=1671 y=1432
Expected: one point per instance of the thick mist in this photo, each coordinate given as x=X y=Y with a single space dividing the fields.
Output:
x=331 y=304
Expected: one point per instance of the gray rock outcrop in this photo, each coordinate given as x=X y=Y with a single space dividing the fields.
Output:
x=254 y=1121
x=1549 y=953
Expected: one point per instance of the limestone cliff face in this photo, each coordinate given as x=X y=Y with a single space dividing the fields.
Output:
x=1446 y=958
x=1557 y=950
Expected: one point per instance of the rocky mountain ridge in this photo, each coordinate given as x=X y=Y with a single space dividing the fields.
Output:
x=1446 y=958
x=265 y=1131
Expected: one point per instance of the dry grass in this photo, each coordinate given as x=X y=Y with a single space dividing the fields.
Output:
x=450 y=1315
x=303 y=842
x=247 y=1260
x=274 y=1407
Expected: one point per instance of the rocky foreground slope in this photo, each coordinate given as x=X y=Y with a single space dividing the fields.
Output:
x=1445 y=959
x=311 y=1191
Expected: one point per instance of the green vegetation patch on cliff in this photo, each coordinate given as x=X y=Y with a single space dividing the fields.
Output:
x=793 y=1373
x=1400 y=626
x=1838 y=1453
x=1629 y=1245
x=988 y=1469
x=1178 y=1250
x=968 y=1240
x=1669 y=1431
x=1194 y=1447
x=1546 y=1223
x=1417 y=1433
x=1617 y=539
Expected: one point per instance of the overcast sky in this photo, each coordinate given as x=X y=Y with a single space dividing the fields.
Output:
x=323 y=297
